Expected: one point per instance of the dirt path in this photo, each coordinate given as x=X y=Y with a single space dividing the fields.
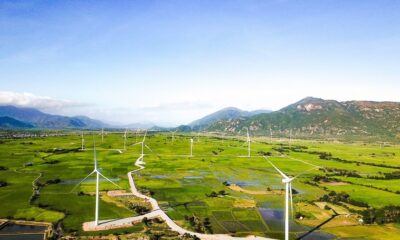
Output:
x=155 y=213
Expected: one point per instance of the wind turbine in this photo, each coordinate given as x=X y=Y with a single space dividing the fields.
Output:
x=270 y=135
x=191 y=147
x=248 y=142
x=288 y=189
x=288 y=193
x=125 y=139
x=82 y=141
x=173 y=135
x=143 y=145
x=98 y=173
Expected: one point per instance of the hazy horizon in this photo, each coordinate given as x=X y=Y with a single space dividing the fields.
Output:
x=172 y=62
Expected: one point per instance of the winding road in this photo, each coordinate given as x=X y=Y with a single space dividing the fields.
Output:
x=156 y=212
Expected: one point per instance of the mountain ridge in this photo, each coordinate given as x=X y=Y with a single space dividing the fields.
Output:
x=316 y=117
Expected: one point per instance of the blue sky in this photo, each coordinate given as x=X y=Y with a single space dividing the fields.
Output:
x=171 y=62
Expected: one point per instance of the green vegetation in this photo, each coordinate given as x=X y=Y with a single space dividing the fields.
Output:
x=197 y=192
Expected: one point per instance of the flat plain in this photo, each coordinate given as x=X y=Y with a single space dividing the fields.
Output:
x=200 y=186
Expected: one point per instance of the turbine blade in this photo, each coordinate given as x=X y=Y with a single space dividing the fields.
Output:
x=82 y=181
x=148 y=148
x=277 y=169
x=144 y=137
x=304 y=172
x=136 y=143
x=109 y=180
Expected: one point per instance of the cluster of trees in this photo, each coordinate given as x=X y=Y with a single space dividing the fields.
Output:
x=262 y=153
x=146 y=191
x=52 y=162
x=217 y=194
x=341 y=172
x=387 y=176
x=2 y=168
x=388 y=214
x=139 y=209
x=337 y=198
x=200 y=225
x=53 y=181
x=320 y=178
x=62 y=151
x=188 y=236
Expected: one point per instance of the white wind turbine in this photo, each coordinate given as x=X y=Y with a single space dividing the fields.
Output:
x=98 y=174
x=248 y=143
x=82 y=141
x=125 y=138
x=191 y=147
x=270 y=135
x=173 y=135
x=143 y=145
x=288 y=193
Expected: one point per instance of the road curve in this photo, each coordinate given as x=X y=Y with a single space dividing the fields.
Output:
x=156 y=212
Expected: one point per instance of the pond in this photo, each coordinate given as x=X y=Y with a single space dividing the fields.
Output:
x=274 y=218
x=22 y=232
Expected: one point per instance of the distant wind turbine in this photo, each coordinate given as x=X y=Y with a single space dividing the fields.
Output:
x=191 y=147
x=98 y=174
x=125 y=138
x=270 y=135
x=82 y=141
x=143 y=145
x=173 y=135
x=248 y=143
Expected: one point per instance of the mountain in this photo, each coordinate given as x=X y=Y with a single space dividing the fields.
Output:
x=223 y=114
x=7 y=122
x=319 y=118
x=39 y=119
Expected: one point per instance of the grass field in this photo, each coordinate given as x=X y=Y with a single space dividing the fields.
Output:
x=182 y=184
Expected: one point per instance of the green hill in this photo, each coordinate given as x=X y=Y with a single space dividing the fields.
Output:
x=319 y=118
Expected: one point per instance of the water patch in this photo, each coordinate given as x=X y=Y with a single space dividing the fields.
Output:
x=158 y=177
x=317 y=235
x=193 y=177
x=22 y=232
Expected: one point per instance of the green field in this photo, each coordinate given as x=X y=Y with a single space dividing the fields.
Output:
x=182 y=184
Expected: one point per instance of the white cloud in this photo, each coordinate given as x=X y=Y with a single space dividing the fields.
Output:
x=43 y=103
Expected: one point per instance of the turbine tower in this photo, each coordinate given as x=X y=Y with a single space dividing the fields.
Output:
x=270 y=135
x=125 y=139
x=288 y=193
x=98 y=173
x=173 y=135
x=191 y=147
x=248 y=143
x=82 y=141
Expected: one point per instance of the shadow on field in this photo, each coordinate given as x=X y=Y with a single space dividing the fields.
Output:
x=318 y=226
